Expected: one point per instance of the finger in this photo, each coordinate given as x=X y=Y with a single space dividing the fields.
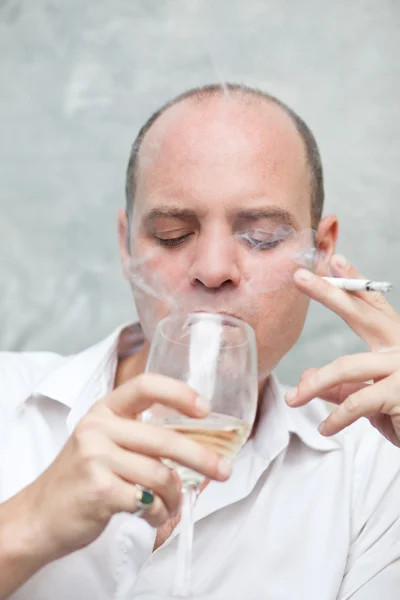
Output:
x=161 y=442
x=335 y=395
x=330 y=296
x=139 y=393
x=351 y=369
x=390 y=349
x=382 y=397
x=156 y=515
x=307 y=373
x=341 y=267
x=339 y=393
x=116 y=495
x=147 y=472
x=375 y=327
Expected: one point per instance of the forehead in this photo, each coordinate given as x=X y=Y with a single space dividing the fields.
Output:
x=221 y=152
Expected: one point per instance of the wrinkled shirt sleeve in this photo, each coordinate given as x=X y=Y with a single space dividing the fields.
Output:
x=373 y=565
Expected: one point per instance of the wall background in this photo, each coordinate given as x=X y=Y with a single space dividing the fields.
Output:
x=77 y=79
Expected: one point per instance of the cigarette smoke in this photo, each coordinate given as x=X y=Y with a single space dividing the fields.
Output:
x=267 y=260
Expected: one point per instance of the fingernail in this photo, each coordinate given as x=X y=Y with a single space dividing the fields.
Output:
x=203 y=405
x=224 y=467
x=304 y=275
x=322 y=428
x=291 y=395
x=341 y=261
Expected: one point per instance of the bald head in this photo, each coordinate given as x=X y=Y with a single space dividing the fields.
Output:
x=217 y=127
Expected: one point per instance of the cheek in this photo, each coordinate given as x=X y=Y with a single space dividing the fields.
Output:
x=282 y=316
x=159 y=269
x=157 y=281
x=269 y=272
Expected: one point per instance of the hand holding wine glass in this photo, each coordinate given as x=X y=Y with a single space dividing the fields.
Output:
x=216 y=355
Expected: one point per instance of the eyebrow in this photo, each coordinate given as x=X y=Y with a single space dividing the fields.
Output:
x=171 y=212
x=251 y=214
x=272 y=213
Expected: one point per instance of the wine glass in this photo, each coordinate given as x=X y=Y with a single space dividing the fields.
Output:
x=216 y=355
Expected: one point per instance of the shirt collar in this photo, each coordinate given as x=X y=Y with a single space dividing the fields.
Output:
x=277 y=422
x=84 y=378
x=304 y=421
x=78 y=375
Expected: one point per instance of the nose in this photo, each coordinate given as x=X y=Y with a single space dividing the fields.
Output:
x=215 y=262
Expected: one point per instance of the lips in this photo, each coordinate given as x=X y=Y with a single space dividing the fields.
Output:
x=230 y=316
x=218 y=312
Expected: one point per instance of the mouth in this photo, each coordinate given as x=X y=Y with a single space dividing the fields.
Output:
x=217 y=312
x=231 y=319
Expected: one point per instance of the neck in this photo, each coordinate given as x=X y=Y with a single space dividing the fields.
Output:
x=261 y=387
x=132 y=366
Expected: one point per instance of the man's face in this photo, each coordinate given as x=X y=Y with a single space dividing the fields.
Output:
x=213 y=177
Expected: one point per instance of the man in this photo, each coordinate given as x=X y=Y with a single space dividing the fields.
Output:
x=302 y=515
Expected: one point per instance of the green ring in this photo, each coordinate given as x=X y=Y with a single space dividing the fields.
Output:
x=143 y=500
x=147 y=497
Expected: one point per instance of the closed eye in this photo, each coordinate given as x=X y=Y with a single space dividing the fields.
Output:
x=261 y=240
x=173 y=242
x=263 y=245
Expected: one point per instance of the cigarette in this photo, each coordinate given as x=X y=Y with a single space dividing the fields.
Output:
x=359 y=285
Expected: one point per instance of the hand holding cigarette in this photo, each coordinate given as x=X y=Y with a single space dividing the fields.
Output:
x=343 y=381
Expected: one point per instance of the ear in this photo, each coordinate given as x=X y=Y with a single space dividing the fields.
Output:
x=327 y=236
x=124 y=251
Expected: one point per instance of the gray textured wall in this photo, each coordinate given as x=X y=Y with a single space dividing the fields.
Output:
x=77 y=80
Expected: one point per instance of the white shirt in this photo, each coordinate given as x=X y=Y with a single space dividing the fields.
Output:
x=302 y=517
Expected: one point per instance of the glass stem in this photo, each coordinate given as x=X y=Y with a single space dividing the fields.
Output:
x=185 y=542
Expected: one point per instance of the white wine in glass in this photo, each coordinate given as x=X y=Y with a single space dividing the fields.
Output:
x=222 y=434
x=216 y=355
